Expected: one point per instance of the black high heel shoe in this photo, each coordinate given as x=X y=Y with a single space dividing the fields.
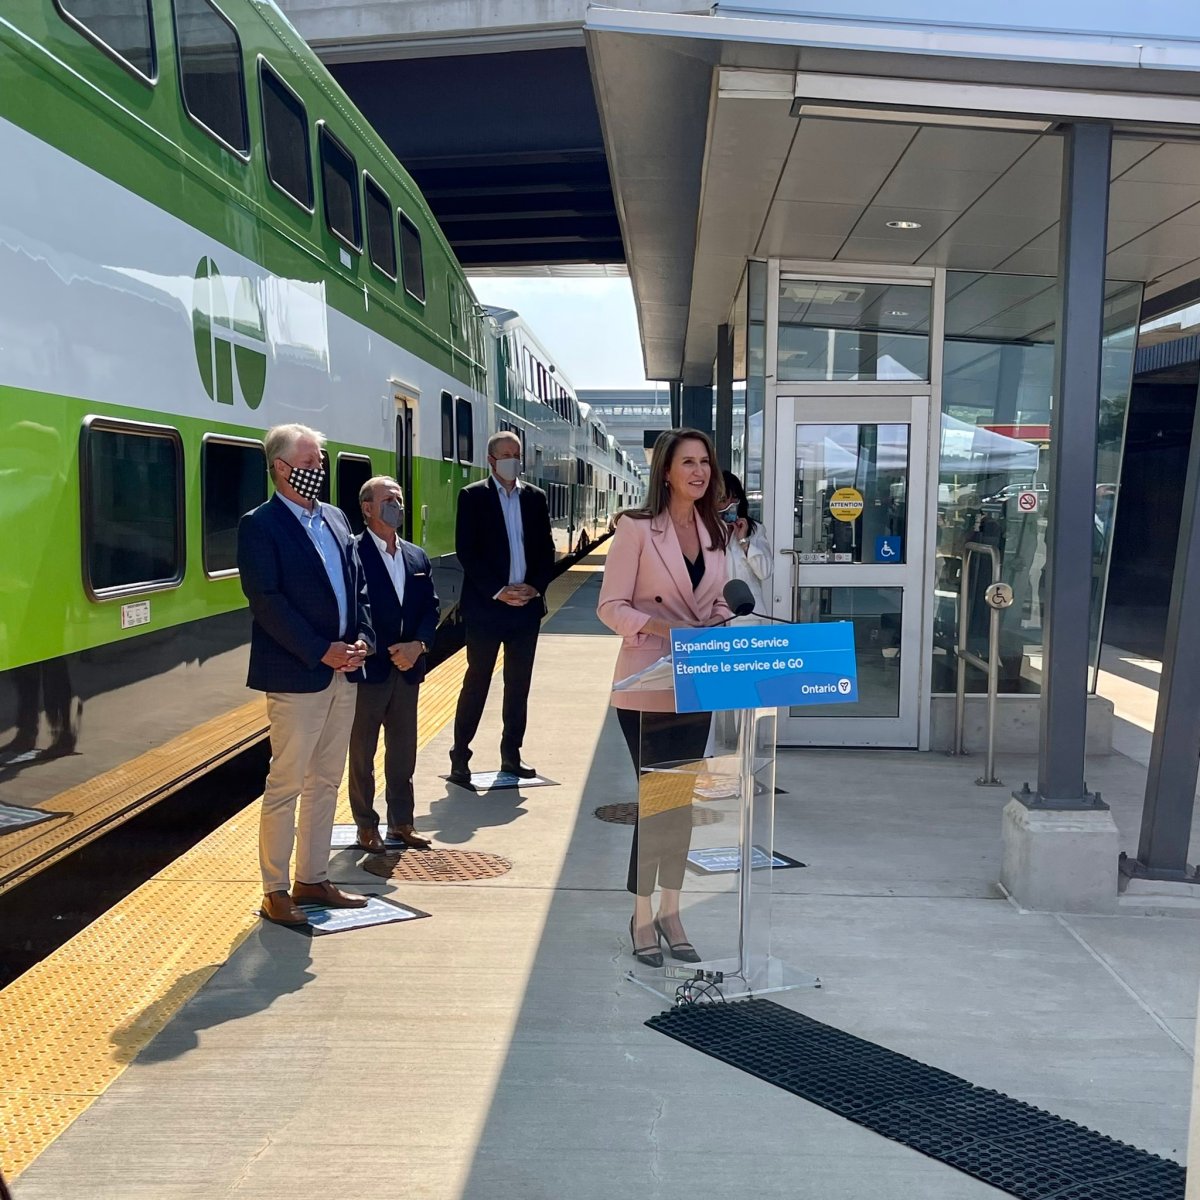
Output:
x=649 y=956
x=682 y=951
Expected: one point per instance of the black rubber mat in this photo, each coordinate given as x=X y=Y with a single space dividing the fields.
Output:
x=1008 y=1144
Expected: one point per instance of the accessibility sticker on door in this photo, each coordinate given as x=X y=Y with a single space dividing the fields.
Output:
x=889 y=549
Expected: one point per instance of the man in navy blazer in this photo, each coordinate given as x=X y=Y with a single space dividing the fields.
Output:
x=506 y=550
x=311 y=634
x=404 y=612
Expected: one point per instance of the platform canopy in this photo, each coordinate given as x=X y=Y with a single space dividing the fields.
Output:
x=882 y=139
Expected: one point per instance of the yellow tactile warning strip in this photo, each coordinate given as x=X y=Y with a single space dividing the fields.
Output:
x=70 y=1025
x=95 y=807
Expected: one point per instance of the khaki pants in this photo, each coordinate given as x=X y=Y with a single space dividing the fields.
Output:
x=310 y=732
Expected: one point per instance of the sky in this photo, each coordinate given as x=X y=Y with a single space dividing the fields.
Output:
x=588 y=325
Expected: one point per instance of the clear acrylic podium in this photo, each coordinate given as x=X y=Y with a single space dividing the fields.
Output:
x=706 y=823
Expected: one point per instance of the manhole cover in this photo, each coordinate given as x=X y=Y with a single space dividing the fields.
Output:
x=627 y=814
x=437 y=866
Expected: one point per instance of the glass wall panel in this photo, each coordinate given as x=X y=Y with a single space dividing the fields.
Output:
x=993 y=485
x=756 y=384
x=850 y=331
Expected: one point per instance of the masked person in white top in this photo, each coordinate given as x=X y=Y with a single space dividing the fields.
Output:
x=748 y=553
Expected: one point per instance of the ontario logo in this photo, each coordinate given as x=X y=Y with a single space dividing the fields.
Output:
x=231 y=343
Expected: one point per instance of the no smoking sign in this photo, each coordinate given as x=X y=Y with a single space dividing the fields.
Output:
x=1027 y=502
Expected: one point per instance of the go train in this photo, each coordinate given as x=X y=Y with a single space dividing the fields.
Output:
x=201 y=237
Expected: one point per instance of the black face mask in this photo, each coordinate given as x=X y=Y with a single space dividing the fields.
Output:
x=305 y=481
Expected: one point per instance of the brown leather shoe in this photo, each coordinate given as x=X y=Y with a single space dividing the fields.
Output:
x=369 y=840
x=326 y=894
x=278 y=907
x=409 y=836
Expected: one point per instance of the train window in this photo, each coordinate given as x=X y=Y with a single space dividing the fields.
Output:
x=210 y=72
x=233 y=480
x=339 y=186
x=447 y=425
x=411 y=261
x=131 y=489
x=381 y=231
x=353 y=471
x=125 y=32
x=285 y=137
x=466 y=430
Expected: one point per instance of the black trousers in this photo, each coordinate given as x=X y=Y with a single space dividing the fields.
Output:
x=483 y=645
x=392 y=706
x=665 y=837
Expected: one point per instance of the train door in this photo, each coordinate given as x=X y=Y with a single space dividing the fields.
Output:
x=405 y=411
x=850 y=525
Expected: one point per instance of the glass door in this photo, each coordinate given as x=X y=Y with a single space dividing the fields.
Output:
x=404 y=461
x=850 y=531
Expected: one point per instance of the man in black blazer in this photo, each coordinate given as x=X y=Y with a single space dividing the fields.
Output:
x=506 y=552
x=310 y=636
x=404 y=613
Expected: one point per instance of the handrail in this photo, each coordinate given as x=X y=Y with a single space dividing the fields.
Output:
x=999 y=597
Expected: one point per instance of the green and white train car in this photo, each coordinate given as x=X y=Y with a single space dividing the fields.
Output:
x=200 y=237
x=585 y=474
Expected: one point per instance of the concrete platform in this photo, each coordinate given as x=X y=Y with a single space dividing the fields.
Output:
x=496 y=1051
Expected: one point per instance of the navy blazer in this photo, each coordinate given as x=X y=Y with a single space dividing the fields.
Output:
x=413 y=621
x=292 y=602
x=481 y=542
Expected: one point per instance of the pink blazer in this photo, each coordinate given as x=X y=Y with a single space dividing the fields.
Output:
x=645 y=576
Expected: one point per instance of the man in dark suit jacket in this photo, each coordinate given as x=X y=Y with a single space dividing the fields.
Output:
x=310 y=636
x=404 y=613
x=506 y=552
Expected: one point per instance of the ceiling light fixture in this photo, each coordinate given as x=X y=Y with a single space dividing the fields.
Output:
x=904 y=224
x=802 y=107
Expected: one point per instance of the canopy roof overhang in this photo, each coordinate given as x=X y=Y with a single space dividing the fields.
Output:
x=734 y=137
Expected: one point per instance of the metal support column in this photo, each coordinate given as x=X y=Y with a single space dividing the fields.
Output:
x=676 y=401
x=1175 y=750
x=698 y=407
x=1083 y=233
x=724 y=434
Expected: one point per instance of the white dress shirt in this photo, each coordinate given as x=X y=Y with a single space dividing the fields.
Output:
x=392 y=563
x=510 y=506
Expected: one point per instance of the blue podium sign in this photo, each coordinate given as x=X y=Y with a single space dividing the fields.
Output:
x=763 y=666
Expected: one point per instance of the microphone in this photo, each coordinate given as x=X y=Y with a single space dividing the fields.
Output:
x=740 y=598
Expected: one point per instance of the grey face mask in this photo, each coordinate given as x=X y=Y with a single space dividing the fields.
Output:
x=508 y=468
x=391 y=513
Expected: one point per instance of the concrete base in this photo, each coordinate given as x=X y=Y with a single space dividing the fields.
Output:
x=1017 y=722
x=1060 y=861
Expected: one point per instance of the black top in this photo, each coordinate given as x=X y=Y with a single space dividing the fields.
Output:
x=695 y=569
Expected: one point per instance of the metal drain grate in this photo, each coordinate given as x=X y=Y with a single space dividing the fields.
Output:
x=437 y=866
x=1008 y=1144
x=627 y=814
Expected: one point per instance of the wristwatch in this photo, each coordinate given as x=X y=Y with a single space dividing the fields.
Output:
x=424 y=648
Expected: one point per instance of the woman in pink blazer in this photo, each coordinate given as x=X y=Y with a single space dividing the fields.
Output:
x=665 y=570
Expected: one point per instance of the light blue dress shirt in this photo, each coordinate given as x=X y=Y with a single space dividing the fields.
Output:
x=321 y=536
x=510 y=506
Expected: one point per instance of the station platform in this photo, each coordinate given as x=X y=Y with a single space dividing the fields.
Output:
x=180 y=1049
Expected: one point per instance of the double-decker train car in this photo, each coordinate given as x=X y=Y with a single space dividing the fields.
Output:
x=200 y=237
x=567 y=451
